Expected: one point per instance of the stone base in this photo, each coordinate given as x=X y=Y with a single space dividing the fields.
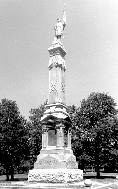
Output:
x=56 y=161
x=55 y=175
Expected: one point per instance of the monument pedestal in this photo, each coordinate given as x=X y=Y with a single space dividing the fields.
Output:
x=56 y=162
x=55 y=166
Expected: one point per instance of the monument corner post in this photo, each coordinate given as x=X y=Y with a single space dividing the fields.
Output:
x=56 y=161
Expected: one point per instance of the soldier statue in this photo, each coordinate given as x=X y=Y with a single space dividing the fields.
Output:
x=60 y=25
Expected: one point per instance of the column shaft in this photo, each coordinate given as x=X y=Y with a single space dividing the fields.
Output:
x=60 y=136
x=69 y=139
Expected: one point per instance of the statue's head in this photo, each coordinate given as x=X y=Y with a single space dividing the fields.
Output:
x=58 y=20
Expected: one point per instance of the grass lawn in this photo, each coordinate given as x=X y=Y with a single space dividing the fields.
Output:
x=106 y=181
x=104 y=177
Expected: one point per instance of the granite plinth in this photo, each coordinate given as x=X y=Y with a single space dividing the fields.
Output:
x=58 y=167
x=55 y=175
x=56 y=161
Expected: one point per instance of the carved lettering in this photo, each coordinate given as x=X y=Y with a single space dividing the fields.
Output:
x=47 y=163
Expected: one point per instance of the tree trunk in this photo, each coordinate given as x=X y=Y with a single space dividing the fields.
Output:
x=97 y=156
x=7 y=177
x=97 y=172
x=12 y=176
x=12 y=173
x=7 y=174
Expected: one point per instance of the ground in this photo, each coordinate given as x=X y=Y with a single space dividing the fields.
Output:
x=107 y=181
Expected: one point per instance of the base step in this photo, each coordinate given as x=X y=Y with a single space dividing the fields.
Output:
x=55 y=175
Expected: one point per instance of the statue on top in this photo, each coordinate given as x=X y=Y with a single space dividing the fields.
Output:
x=60 y=25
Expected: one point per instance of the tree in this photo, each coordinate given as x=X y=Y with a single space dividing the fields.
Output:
x=76 y=138
x=95 y=123
x=13 y=137
x=112 y=164
x=35 y=132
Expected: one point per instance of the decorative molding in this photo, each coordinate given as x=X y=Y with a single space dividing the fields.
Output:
x=57 y=49
x=63 y=87
x=57 y=61
x=55 y=175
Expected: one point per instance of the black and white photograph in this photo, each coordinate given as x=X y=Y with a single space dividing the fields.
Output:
x=59 y=94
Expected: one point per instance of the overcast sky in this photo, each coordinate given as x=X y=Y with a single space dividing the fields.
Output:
x=91 y=41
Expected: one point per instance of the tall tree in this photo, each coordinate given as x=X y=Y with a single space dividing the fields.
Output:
x=75 y=130
x=35 y=131
x=13 y=137
x=95 y=120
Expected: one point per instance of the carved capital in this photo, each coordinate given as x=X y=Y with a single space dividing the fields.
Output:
x=69 y=131
x=58 y=125
x=57 y=49
x=57 y=61
x=44 y=129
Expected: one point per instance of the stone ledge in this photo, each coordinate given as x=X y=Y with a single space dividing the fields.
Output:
x=56 y=161
x=55 y=175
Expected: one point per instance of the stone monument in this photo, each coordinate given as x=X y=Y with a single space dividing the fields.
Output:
x=56 y=162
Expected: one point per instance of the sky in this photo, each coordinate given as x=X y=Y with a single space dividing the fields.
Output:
x=90 y=38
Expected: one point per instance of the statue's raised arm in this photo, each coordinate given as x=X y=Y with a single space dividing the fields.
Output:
x=60 y=25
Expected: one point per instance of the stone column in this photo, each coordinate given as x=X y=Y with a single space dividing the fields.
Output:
x=58 y=138
x=69 y=139
x=46 y=142
x=60 y=135
x=44 y=137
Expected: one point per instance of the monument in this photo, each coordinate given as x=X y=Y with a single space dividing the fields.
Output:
x=56 y=162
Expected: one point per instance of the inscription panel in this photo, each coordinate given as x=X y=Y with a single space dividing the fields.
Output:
x=52 y=138
x=47 y=163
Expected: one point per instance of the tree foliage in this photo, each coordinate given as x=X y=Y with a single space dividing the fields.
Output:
x=76 y=141
x=35 y=132
x=96 y=123
x=13 y=137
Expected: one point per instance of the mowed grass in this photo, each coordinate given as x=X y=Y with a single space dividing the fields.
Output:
x=106 y=181
x=104 y=177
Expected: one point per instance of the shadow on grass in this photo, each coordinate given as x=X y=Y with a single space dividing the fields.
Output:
x=101 y=177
